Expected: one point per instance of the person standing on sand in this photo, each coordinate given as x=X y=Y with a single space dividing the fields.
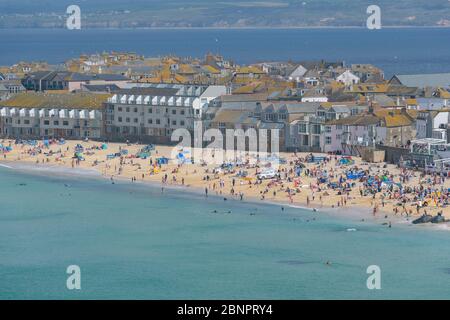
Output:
x=206 y=192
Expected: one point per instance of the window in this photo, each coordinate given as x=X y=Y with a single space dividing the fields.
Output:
x=339 y=127
x=302 y=128
x=119 y=109
x=26 y=121
x=46 y=122
x=150 y=121
x=56 y=123
x=127 y=120
x=174 y=111
x=182 y=112
x=328 y=129
x=316 y=129
x=128 y=109
x=181 y=123
x=119 y=119
x=65 y=123
x=158 y=121
x=136 y=120
x=150 y=110
x=174 y=122
x=327 y=140
x=135 y=110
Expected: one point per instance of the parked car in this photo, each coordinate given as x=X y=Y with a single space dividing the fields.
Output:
x=267 y=174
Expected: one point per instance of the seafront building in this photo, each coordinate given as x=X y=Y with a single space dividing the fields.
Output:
x=392 y=128
x=68 y=115
x=153 y=112
x=315 y=106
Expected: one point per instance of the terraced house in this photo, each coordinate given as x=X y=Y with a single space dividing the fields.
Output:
x=70 y=81
x=56 y=115
x=152 y=112
x=387 y=127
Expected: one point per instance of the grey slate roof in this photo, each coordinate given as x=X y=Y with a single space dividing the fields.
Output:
x=101 y=87
x=304 y=107
x=149 y=91
x=341 y=109
x=425 y=80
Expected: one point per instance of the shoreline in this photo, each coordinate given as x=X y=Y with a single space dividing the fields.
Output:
x=302 y=191
x=351 y=214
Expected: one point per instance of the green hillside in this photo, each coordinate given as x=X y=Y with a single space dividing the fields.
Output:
x=215 y=13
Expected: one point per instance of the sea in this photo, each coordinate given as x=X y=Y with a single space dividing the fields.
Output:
x=133 y=241
x=136 y=241
x=395 y=50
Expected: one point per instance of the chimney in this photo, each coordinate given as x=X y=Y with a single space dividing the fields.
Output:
x=371 y=108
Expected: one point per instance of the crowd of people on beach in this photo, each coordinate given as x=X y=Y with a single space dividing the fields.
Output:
x=315 y=181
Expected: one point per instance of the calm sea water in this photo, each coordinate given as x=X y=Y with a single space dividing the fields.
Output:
x=131 y=241
x=415 y=50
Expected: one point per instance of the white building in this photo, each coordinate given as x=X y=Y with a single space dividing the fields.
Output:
x=153 y=112
x=36 y=115
x=348 y=78
x=432 y=124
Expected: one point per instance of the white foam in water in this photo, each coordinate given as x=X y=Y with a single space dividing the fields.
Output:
x=445 y=226
x=351 y=230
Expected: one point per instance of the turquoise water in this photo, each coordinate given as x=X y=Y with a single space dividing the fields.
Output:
x=131 y=241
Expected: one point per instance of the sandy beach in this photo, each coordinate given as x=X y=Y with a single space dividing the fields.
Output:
x=306 y=189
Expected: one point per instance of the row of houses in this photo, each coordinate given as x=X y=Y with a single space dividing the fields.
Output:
x=37 y=115
x=321 y=127
x=152 y=112
x=144 y=113
x=69 y=81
